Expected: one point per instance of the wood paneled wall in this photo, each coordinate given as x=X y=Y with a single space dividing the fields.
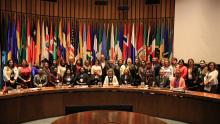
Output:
x=86 y=9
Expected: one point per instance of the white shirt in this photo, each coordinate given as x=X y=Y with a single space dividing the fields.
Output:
x=114 y=81
x=168 y=71
x=97 y=68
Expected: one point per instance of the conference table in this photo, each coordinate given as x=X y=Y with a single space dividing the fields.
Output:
x=108 y=117
x=31 y=104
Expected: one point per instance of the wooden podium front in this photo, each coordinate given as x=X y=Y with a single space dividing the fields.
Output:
x=191 y=107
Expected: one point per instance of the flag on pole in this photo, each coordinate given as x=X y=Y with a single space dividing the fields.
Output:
x=95 y=47
x=104 y=50
x=55 y=38
x=80 y=41
x=166 y=44
x=116 y=43
x=84 y=42
x=38 y=49
x=33 y=43
x=88 y=44
x=23 y=41
x=100 y=35
x=140 y=37
x=125 y=44
x=128 y=50
x=108 y=40
x=120 y=43
x=171 y=41
x=18 y=37
x=111 y=51
x=9 y=45
x=137 y=37
x=132 y=44
x=51 y=43
x=148 y=42
x=162 y=41
x=43 y=43
x=14 y=44
x=60 y=33
x=28 y=43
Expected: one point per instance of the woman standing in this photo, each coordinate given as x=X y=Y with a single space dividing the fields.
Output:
x=182 y=69
x=10 y=74
x=192 y=76
x=24 y=75
x=211 y=78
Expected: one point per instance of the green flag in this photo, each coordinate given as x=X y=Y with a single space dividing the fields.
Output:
x=170 y=41
x=99 y=38
x=108 y=40
x=145 y=35
x=23 y=41
x=157 y=43
x=55 y=43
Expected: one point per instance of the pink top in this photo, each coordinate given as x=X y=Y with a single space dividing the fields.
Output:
x=183 y=71
x=177 y=83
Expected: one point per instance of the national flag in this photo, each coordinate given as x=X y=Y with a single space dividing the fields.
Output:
x=51 y=43
x=74 y=38
x=145 y=35
x=133 y=44
x=120 y=44
x=43 y=43
x=23 y=41
x=111 y=51
x=38 y=49
x=104 y=43
x=60 y=35
x=100 y=35
x=84 y=41
x=88 y=44
x=128 y=50
x=55 y=44
x=28 y=42
x=157 y=43
x=70 y=49
x=33 y=43
x=140 y=37
x=18 y=37
x=63 y=45
x=92 y=37
x=125 y=44
x=94 y=46
x=47 y=41
x=166 y=44
x=116 y=43
x=171 y=41
x=80 y=41
x=153 y=41
x=4 y=29
x=137 y=37
x=162 y=41
x=108 y=40
x=14 y=44
x=148 y=42
x=9 y=43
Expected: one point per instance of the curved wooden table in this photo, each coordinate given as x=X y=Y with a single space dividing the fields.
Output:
x=191 y=107
x=107 y=117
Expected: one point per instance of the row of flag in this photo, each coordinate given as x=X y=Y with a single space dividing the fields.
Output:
x=36 y=40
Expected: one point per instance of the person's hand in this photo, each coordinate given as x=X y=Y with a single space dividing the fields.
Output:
x=205 y=83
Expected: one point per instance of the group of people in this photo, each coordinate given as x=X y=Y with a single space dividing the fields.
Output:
x=158 y=73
